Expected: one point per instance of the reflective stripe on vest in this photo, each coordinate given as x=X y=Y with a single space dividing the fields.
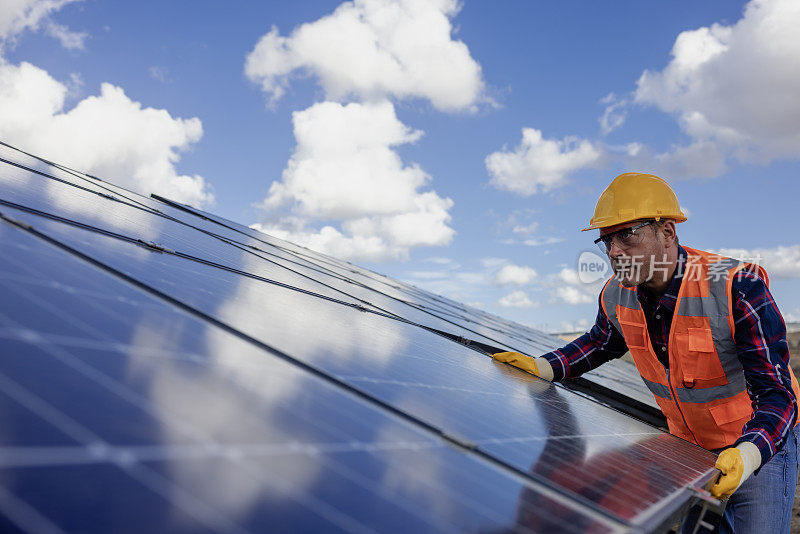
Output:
x=705 y=373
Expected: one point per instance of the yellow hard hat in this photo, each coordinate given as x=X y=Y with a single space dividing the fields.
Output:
x=633 y=196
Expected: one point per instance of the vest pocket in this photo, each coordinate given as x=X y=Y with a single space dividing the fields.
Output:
x=634 y=334
x=701 y=340
x=700 y=364
x=730 y=417
x=636 y=339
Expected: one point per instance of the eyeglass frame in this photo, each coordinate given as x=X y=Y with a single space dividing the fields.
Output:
x=610 y=237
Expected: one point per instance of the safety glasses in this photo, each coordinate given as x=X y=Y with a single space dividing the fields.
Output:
x=626 y=238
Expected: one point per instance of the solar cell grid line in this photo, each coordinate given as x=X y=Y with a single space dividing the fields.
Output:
x=299 y=453
x=492 y=407
x=636 y=388
x=48 y=413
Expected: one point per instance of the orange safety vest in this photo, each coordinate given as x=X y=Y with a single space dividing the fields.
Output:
x=703 y=393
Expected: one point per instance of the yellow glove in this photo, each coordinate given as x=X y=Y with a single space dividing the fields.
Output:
x=536 y=366
x=736 y=464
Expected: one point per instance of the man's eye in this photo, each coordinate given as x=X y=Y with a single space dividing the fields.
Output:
x=625 y=234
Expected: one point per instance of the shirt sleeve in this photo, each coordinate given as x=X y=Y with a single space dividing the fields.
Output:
x=594 y=348
x=760 y=336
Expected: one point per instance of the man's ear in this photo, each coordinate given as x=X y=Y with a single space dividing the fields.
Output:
x=668 y=232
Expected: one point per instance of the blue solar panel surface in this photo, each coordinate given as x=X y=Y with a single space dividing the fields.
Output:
x=123 y=413
x=213 y=361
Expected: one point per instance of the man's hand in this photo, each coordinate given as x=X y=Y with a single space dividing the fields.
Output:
x=736 y=464
x=535 y=366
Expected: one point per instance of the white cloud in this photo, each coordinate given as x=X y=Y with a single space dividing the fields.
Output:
x=491 y=263
x=344 y=169
x=780 y=262
x=108 y=135
x=158 y=73
x=441 y=260
x=344 y=165
x=517 y=299
x=581 y=325
x=566 y=286
x=374 y=49
x=17 y=16
x=791 y=317
x=615 y=113
x=539 y=164
x=569 y=276
x=515 y=275
x=525 y=229
x=735 y=86
x=453 y=282
x=537 y=242
x=572 y=295
x=69 y=39
x=700 y=159
x=533 y=241
x=427 y=275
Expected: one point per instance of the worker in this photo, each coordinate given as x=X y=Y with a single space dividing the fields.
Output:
x=709 y=342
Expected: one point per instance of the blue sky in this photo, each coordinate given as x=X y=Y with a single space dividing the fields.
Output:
x=390 y=132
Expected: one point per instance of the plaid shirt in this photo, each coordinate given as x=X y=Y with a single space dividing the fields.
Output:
x=760 y=337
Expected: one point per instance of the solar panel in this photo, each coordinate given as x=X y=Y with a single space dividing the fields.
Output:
x=212 y=326
x=121 y=413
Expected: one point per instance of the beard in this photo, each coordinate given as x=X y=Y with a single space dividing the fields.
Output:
x=630 y=270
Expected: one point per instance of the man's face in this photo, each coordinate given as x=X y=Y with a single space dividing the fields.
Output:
x=637 y=263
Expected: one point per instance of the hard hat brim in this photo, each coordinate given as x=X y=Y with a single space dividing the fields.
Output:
x=598 y=226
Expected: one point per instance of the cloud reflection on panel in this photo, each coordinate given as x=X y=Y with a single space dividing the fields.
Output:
x=306 y=326
x=414 y=484
x=35 y=191
x=362 y=348
x=224 y=401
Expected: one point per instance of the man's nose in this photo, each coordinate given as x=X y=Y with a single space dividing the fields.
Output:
x=614 y=251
